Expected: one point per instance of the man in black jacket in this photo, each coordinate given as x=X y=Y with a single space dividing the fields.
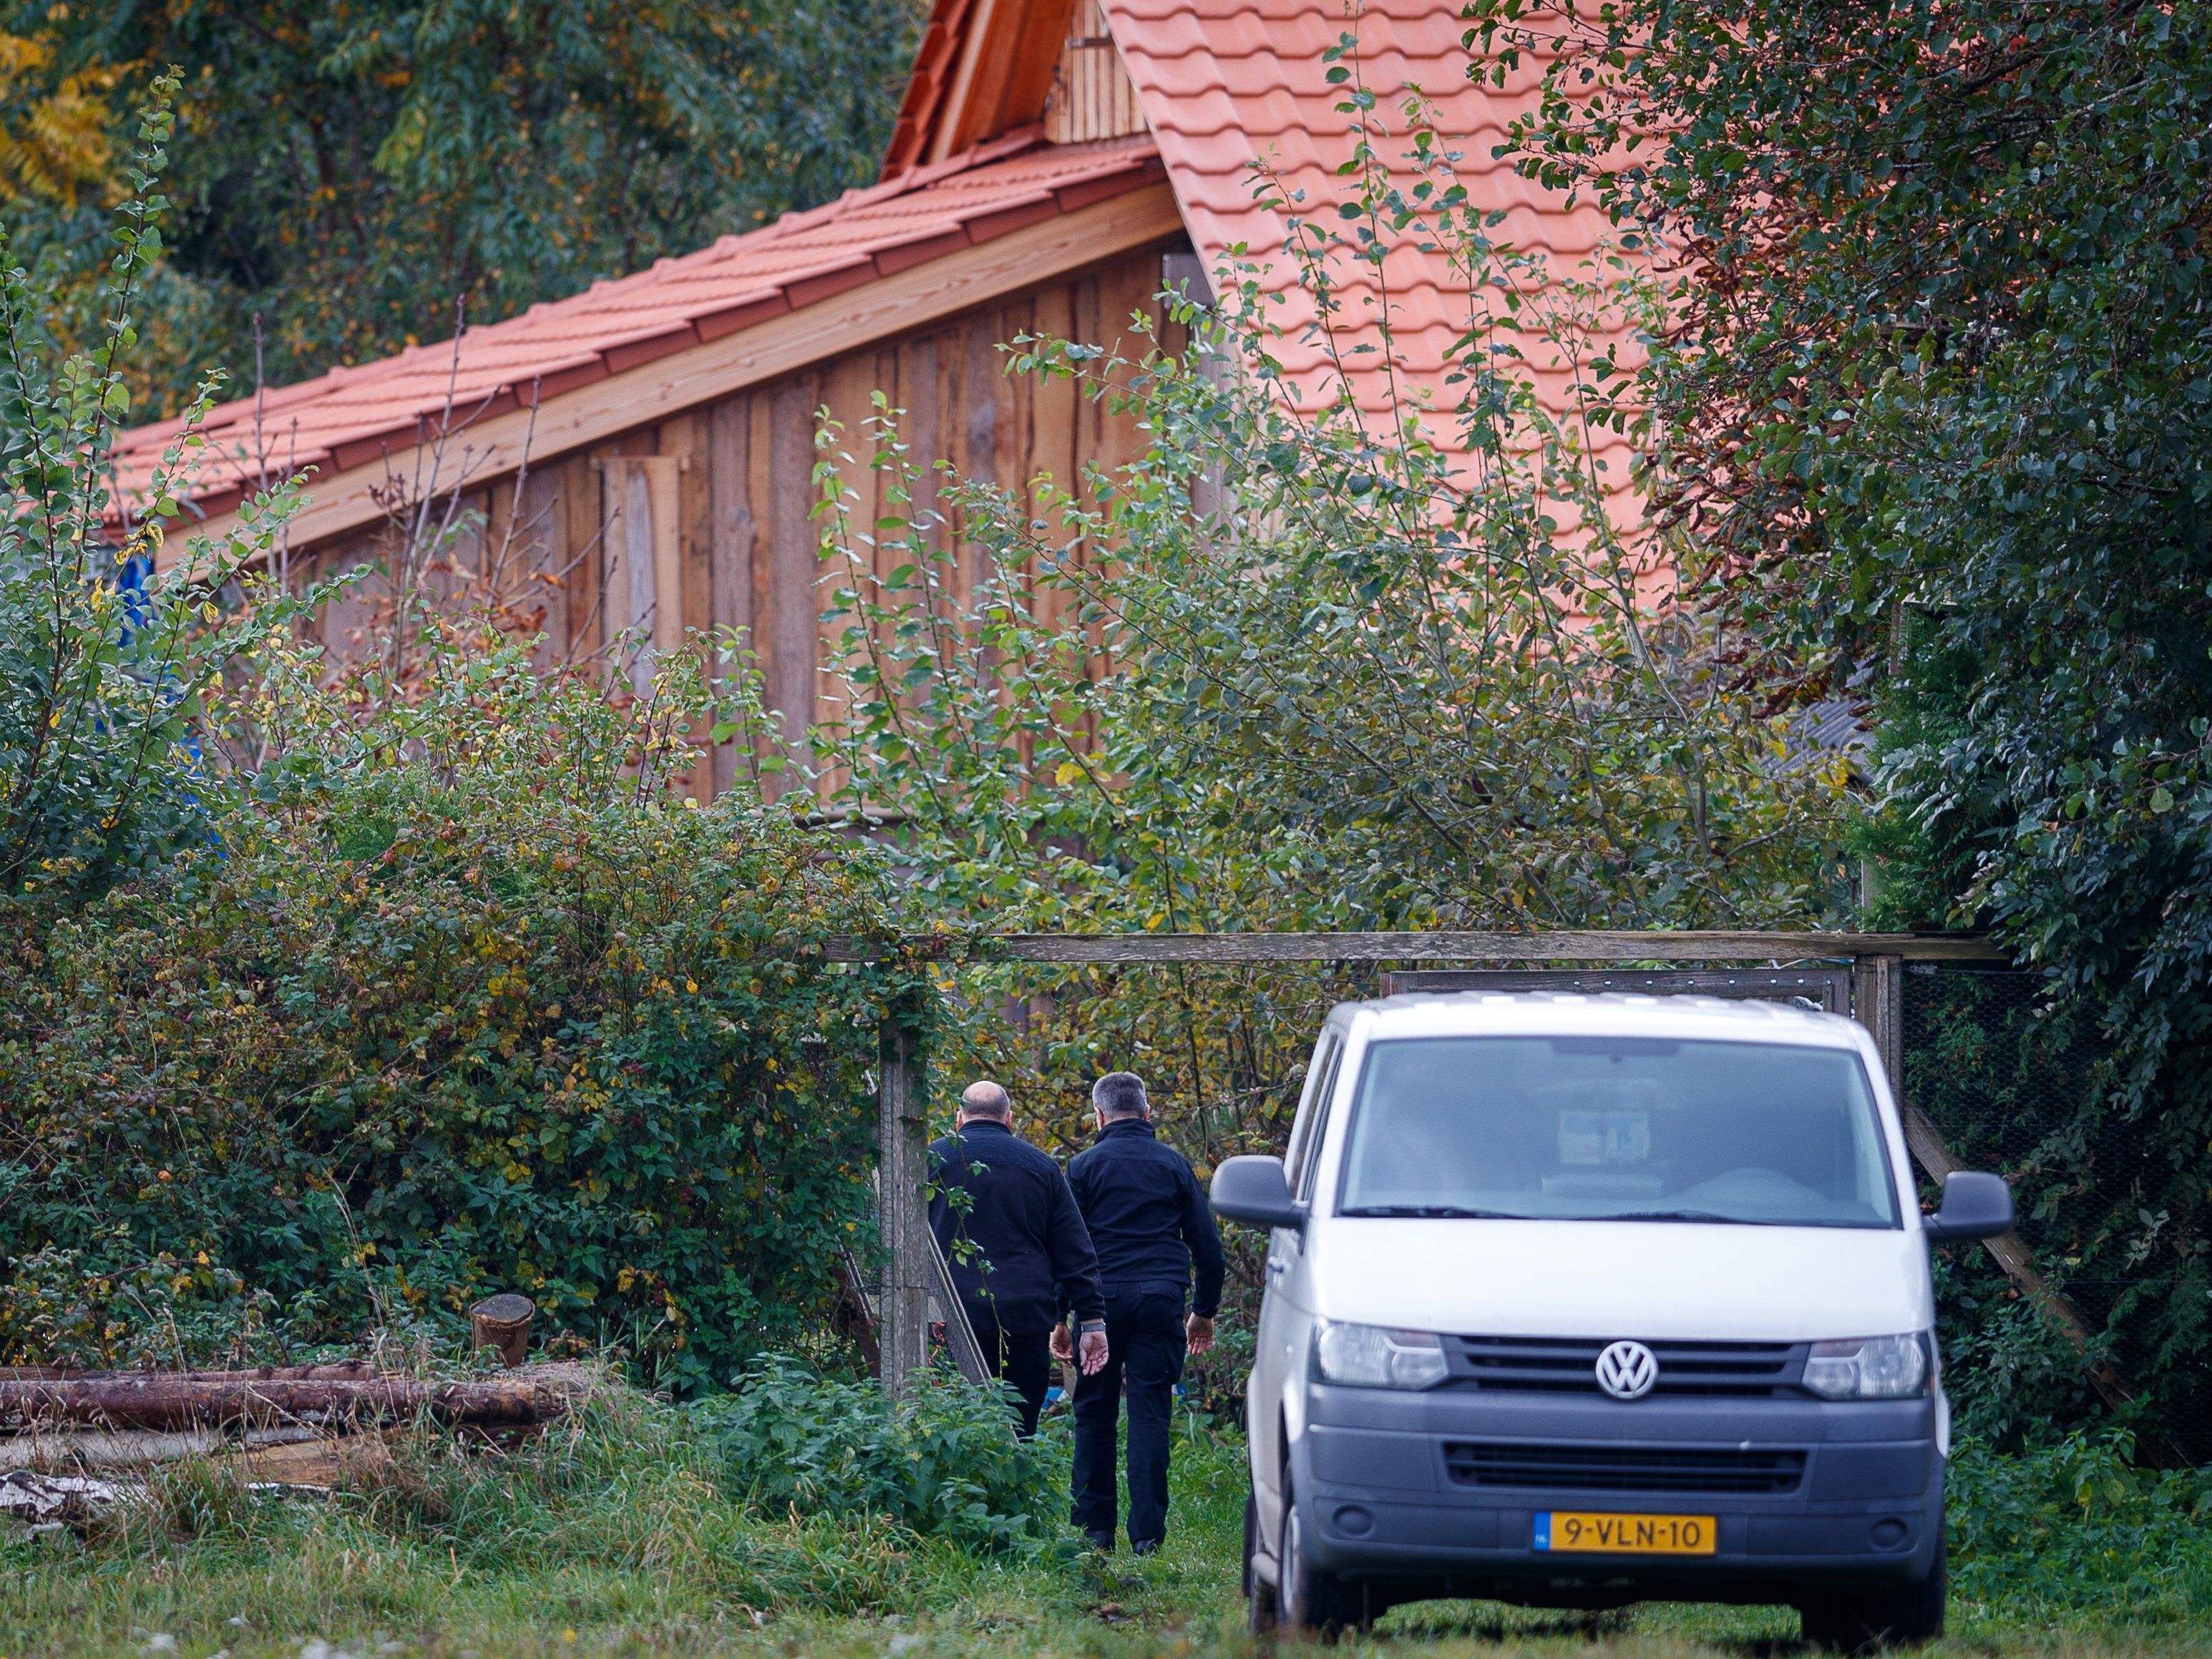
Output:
x=1019 y=1253
x=1151 y=1225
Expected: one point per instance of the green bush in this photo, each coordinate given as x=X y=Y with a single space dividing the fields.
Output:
x=943 y=1465
x=469 y=1001
x=2076 y=1527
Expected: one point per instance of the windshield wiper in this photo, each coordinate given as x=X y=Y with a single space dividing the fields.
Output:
x=1443 y=1211
x=1683 y=1215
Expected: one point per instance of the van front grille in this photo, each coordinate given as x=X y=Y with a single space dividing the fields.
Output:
x=1623 y=1468
x=1569 y=1364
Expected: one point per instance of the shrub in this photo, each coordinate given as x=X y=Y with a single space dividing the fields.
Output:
x=945 y=1464
x=467 y=1001
x=105 y=661
x=2076 y=1527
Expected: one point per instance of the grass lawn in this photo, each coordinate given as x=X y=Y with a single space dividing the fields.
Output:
x=633 y=1548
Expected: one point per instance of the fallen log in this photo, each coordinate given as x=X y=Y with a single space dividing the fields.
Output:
x=342 y=1370
x=153 y=1401
x=124 y=1449
x=46 y=1502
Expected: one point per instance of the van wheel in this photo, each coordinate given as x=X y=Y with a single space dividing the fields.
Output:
x=1879 y=1615
x=1308 y=1599
x=1259 y=1595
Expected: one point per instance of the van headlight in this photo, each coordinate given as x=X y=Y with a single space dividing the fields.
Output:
x=1869 y=1368
x=1370 y=1356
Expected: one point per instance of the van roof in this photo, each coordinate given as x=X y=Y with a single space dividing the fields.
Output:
x=1610 y=1014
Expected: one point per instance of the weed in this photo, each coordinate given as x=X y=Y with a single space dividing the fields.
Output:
x=943 y=1465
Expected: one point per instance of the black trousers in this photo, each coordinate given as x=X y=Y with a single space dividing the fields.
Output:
x=1145 y=1347
x=1021 y=1357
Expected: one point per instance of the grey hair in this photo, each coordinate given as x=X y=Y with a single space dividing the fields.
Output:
x=986 y=1099
x=1119 y=1095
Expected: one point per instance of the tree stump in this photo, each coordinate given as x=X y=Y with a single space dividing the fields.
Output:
x=502 y=1323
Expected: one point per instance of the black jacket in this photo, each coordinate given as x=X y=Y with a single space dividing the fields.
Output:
x=1147 y=1217
x=1017 y=1242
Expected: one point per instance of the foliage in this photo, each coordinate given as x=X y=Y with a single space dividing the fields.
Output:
x=464 y=1000
x=54 y=138
x=360 y=168
x=103 y=664
x=2077 y=1529
x=1374 y=679
x=1939 y=392
x=2009 y=1081
x=1291 y=668
x=945 y=1464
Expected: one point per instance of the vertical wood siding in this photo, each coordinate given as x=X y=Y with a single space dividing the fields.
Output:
x=718 y=502
x=1092 y=96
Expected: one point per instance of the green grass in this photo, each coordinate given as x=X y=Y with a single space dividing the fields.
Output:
x=624 y=1534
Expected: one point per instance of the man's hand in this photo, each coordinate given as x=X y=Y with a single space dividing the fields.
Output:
x=1094 y=1352
x=1063 y=1345
x=1198 y=1333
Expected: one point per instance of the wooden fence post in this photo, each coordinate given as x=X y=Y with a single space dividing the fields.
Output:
x=901 y=1173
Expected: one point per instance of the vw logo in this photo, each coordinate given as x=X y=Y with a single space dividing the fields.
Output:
x=1627 y=1371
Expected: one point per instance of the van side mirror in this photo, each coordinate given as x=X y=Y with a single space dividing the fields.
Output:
x=1975 y=1205
x=1254 y=1191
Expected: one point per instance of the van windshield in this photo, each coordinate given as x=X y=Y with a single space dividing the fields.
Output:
x=1617 y=1129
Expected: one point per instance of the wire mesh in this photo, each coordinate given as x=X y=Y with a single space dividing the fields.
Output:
x=2011 y=1085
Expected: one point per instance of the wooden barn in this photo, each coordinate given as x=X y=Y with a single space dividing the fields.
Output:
x=1055 y=163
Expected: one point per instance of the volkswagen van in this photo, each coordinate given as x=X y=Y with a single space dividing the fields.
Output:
x=1582 y=1300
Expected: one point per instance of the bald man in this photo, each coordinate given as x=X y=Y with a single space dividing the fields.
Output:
x=1020 y=1254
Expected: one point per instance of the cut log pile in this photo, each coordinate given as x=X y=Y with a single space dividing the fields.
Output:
x=292 y=1428
x=309 y=1395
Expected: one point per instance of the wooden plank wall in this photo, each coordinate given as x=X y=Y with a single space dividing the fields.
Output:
x=1091 y=95
x=728 y=494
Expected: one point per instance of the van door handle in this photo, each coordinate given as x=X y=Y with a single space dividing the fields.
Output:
x=1277 y=1267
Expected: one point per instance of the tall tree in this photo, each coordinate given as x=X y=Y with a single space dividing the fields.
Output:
x=351 y=171
x=1939 y=391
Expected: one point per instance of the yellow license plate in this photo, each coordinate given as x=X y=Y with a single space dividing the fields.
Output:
x=1586 y=1532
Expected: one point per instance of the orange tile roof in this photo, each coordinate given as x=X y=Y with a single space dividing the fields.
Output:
x=935 y=61
x=352 y=416
x=1229 y=85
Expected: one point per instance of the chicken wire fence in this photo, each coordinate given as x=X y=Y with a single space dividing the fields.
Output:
x=2011 y=1086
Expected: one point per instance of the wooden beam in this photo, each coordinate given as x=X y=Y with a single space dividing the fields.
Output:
x=959 y=1335
x=1681 y=947
x=641 y=552
x=902 y=1208
x=874 y=310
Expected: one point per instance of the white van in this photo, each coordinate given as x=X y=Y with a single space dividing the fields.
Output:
x=1576 y=1301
